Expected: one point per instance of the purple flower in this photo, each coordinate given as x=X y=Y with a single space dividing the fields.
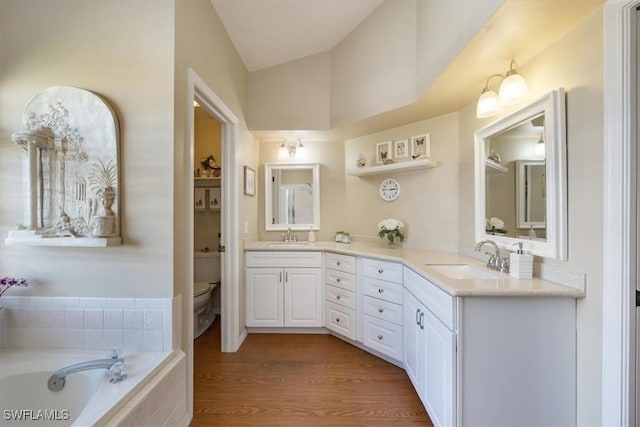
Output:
x=7 y=282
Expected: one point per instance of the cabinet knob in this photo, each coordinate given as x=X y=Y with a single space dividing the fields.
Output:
x=338 y=319
x=380 y=290
x=380 y=270
x=338 y=280
x=380 y=337
x=380 y=310
x=338 y=262
x=337 y=296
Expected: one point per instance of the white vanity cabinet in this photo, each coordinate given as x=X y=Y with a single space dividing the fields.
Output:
x=283 y=289
x=382 y=307
x=340 y=294
x=429 y=357
x=489 y=361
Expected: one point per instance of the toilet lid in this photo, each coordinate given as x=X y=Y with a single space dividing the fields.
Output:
x=200 y=288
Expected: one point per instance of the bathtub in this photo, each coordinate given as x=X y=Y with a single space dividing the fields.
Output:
x=87 y=398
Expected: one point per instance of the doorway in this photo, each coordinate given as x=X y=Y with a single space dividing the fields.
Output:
x=231 y=335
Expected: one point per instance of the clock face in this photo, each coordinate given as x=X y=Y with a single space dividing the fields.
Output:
x=389 y=189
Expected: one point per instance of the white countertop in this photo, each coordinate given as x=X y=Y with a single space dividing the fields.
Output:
x=418 y=260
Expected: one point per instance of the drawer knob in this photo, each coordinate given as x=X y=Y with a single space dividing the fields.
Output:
x=380 y=270
x=338 y=280
x=337 y=296
x=338 y=262
x=380 y=290
x=338 y=319
x=380 y=337
x=380 y=310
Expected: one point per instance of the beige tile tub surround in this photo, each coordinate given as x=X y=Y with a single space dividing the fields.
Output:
x=131 y=324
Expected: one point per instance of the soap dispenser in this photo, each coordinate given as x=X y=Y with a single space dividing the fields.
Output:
x=312 y=235
x=520 y=264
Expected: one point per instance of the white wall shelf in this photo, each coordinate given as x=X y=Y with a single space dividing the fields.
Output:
x=494 y=168
x=30 y=238
x=394 y=167
x=205 y=181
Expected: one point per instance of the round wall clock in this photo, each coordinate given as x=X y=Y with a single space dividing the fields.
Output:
x=389 y=189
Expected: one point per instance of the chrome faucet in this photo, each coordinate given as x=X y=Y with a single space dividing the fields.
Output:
x=290 y=237
x=495 y=261
x=115 y=365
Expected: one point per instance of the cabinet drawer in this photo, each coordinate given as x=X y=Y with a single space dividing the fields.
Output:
x=440 y=303
x=340 y=279
x=383 y=336
x=340 y=319
x=346 y=263
x=283 y=259
x=390 y=271
x=383 y=310
x=391 y=292
x=340 y=296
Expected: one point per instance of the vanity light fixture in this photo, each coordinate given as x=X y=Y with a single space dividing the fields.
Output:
x=512 y=89
x=291 y=149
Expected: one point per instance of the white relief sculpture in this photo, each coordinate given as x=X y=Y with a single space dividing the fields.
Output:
x=70 y=142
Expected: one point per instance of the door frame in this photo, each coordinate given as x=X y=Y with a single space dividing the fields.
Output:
x=198 y=90
x=619 y=242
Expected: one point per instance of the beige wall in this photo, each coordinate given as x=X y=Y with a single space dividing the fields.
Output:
x=444 y=29
x=574 y=62
x=207 y=138
x=374 y=67
x=203 y=45
x=123 y=51
x=428 y=201
x=295 y=95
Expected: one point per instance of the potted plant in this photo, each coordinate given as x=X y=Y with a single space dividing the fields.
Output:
x=103 y=180
x=391 y=229
x=6 y=283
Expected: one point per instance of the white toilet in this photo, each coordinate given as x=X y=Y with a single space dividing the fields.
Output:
x=206 y=278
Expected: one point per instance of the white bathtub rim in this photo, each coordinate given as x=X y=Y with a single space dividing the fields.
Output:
x=105 y=402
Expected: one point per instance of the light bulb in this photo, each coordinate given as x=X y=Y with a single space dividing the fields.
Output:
x=488 y=104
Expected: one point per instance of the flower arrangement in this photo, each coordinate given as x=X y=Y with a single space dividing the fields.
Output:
x=495 y=225
x=391 y=229
x=7 y=282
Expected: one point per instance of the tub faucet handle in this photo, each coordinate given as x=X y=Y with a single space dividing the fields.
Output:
x=115 y=353
x=117 y=372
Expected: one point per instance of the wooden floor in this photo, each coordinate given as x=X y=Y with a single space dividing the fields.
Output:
x=299 y=380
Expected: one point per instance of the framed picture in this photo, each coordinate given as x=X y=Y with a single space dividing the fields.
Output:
x=249 y=181
x=383 y=152
x=401 y=149
x=421 y=146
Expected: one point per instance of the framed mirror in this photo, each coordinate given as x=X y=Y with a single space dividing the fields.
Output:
x=520 y=178
x=292 y=196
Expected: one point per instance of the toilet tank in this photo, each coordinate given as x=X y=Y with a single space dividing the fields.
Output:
x=206 y=266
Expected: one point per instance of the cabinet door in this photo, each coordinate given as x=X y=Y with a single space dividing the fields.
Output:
x=265 y=293
x=439 y=375
x=303 y=297
x=413 y=341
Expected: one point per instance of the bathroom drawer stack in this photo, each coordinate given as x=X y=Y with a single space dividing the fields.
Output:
x=340 y=294
x=382 y=289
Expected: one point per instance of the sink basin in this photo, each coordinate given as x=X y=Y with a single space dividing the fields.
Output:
x=464 y=271
x=288 y=243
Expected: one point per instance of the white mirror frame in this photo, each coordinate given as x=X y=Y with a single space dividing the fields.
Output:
x=553 y=107
x=268 y=169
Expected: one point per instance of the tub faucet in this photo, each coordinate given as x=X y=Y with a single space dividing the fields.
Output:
x=115 y=365
x=495 y=262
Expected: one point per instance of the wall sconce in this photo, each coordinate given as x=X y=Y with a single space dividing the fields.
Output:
x=291 y=149
x=512 y=89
